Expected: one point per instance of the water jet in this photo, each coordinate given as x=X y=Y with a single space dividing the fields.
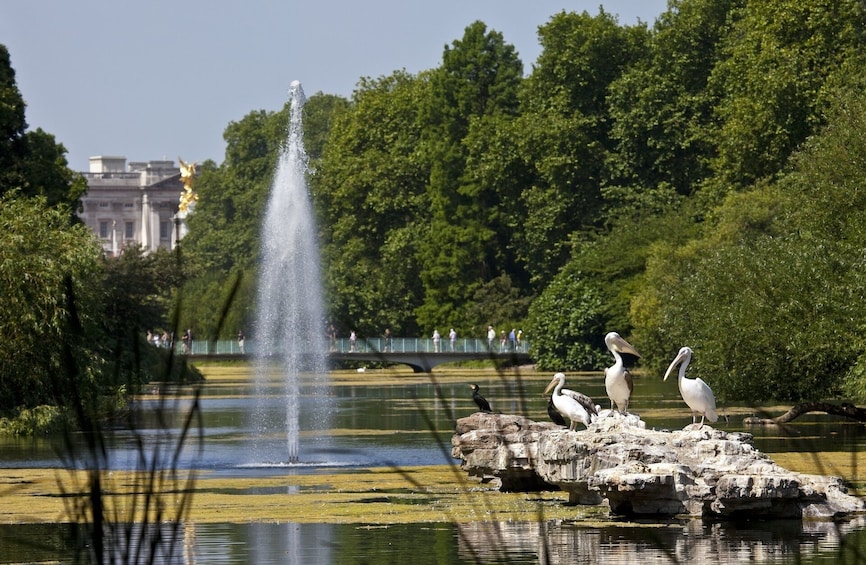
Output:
x=289 y=327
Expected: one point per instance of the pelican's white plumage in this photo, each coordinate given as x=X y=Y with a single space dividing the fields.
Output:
x=617 y=380
x=574 y=405
x=695 y=392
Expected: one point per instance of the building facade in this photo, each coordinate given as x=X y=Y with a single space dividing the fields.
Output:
x=134 y=204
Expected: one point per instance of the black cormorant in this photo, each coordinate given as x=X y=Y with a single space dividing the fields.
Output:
x=480 y=401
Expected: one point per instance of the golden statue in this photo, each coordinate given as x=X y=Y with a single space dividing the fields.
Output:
x=188 y=197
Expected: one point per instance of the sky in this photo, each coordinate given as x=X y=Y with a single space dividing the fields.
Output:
x=161 y=79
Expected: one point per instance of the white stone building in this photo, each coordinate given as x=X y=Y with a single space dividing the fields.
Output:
x=134 y=204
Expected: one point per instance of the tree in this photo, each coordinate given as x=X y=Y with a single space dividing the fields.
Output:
x=47 y=174
x=31 y=162
x=478 y=79
x=768 y=295
x=769 y=81
x=136 y=294
x=369 y=190
x=47 y=269
x=12 y=124
x=566 y=326
x=597 y=290
x=320 y=113
x=661 y=108
x=498 y=303
x=564 y=133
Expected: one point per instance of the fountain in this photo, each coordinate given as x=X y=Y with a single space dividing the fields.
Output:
x=290 y=324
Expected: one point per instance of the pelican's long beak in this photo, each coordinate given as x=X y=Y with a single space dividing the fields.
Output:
x=677 y=360
x=623 y=346
x=550 y=386
x=670 y=368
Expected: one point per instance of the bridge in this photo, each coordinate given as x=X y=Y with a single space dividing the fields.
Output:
x=419 y=353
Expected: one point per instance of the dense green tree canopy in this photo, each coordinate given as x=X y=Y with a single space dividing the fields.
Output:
x=769 y=295
x=564 y=133
x=661 y=108
x=637 y=179
x=476 y=83
x=566 y=325
x=12 y=122
x=370 y=190
x=770 y=78
x=43 y=264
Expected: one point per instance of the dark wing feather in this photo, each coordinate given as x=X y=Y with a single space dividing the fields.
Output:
x=583 y=400
x=481 y=402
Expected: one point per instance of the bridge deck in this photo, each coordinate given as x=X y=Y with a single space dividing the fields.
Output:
x=423 y=362
x=420 y=354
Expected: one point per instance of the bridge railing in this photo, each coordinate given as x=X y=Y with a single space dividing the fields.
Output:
x=426 y=345
x=345 y=345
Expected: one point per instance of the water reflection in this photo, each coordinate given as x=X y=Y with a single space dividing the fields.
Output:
x=694 y=541
x=689 y=541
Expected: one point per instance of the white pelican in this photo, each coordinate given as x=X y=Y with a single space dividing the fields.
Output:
x=576 y=406
x=617 y=380
x=697 y=394
x=480 y=401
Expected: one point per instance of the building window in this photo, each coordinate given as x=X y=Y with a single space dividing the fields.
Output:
x=103 y=229
x=103 y=204
x=127 y=204
x=129 y=230
x=164 y=230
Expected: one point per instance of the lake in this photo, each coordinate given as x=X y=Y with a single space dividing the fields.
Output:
x=392 y=418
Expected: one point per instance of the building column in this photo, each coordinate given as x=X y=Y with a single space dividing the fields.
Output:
x=145 y=235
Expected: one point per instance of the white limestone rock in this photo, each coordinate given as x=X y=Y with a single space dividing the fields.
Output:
x=697 y=471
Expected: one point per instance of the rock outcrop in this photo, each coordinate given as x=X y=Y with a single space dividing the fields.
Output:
x=639 y=472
